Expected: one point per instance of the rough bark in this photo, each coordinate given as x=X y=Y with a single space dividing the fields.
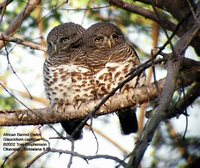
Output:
x=135 y=97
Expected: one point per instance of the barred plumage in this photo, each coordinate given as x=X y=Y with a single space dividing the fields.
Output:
x=67 y=78
x=85 y=65
x=112 y=58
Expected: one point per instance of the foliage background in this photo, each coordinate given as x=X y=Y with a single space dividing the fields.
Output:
x=168 y=148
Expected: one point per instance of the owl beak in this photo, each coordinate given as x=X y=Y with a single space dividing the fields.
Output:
x=109 y=43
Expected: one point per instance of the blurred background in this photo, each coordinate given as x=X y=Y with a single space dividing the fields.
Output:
x=21 y=72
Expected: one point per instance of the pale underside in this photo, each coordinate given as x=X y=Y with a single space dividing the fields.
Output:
x=69 y=84
x=72 y=84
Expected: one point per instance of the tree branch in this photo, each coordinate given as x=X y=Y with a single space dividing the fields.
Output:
x=3 y=6
x=18 y=20
x=23 y=42
x=5 y=3
x=133 y=98
x=143 y=12
x=179 y=9
x=161 y=111
x=192 y=94
x=53 y=150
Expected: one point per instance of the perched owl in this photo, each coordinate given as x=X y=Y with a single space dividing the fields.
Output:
x=111 y=59
x=67 y=77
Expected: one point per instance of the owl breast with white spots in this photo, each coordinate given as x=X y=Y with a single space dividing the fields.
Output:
x=67 y=78
x=116 y=70
x=68 y=84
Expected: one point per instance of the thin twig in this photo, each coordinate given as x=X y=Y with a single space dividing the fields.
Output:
x=3 y=6
x=28 y=165
x=17 y=21
x=12 y=69
x=23 y=42
x=32 y=111
x=139 y=95
x=116 y=159
x=143 y=12
x=71 y=155
x=136 y=72
x=160 y=112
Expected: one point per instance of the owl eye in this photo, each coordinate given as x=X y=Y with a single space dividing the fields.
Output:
x=64 y=40
x=98 y=39
x=115 y=36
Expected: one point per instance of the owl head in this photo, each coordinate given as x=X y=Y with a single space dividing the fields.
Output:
x=64 y=38
x=104 y=36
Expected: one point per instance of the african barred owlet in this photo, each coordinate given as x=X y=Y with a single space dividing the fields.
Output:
x=111 y=59
x=67 y=78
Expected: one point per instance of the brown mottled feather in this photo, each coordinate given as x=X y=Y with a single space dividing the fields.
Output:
x=67 y=78
x=112 y=58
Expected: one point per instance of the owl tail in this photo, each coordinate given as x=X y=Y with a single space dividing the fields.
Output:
x=70 y=126
x=128 y=120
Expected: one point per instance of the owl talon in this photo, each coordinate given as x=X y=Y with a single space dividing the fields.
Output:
x=89 y=64
x=56 y=107
x=78 y=105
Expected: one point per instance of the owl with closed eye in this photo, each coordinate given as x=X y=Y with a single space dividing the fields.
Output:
x=67 y=77
x=112 y=58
